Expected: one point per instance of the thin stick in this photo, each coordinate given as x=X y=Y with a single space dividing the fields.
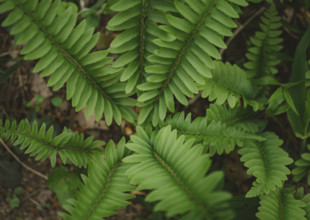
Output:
x=242 y=26
x=20 y=162
x=236 y=32
x=3 y=110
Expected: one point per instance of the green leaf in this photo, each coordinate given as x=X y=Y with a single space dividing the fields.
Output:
x=11 y=70
x=290 y=101
x=64 y=183
x=174 y=169
x=14 y=202
x=39 y=99
x=298 y=92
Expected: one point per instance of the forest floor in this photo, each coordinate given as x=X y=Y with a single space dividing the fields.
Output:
x=25 y=95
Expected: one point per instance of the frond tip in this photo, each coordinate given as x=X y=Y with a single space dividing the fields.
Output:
x=270 y=170
x=48 y=30
x=265 y=45
x=215 y=135
x=179 y=65
x=302 y=168
x=37 y=141
x=228 y=83
x=281 y=204
x=175 y=170
x=103 y=190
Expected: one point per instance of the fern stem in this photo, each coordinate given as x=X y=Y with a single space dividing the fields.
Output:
x=142 y=35
x=303 y=145
x=281 y=199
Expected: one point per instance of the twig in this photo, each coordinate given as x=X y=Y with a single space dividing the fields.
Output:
x=21 y=163
x=5 y=53
x=82 y=4
x=4 y=112
x=242 y=26
x=236 y=32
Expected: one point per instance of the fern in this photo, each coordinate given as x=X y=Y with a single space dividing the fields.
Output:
x=304 y=197
x=216 y=136
x=270 y=171
x=241 y=118
x=137 y=21
x=306 y=200
x=48 y=29
x=165 y=52
x=302 y=168
x=179 y=65
x=265 y=46
x=229 y=83
x=102 y=192
x=280 y=204
x=175 y=171
x=39 y=142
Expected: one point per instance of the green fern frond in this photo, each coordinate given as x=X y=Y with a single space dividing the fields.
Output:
x=228 y=83
x=265 y=46
x=215 y=135
x=179 y=65
x=103 y=190
x=300 y=194
x=281 y=205
x=306 y=200
x=302 y=168
x=175 y=170
x=48 y=29
x=136 y=18
x=41 y=143
x=239 y=117
x=270 y=170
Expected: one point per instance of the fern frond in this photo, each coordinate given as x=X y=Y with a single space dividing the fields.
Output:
x=175 y=171
x=48 y=29
x=265 y=46
x=306 y=200
x=179 y=65
x=137 y=21
x=103 y=190
x=280 y=205
x=215 y=135
x=239 y=117
x=302 y=168
x=41 y=143
x=229 y=83
x=270 y=170
x=300 y=194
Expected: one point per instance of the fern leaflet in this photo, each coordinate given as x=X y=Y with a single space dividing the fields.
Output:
x=48 y=29
x=39 y=142
x=175 y=171
x=265 y=46
x=302 y=168
x=137 y=21
x=179 y=65
x=239 y=117
x=229 y=83
x=281 y=205
x=215 y=136
x=270 y=171
x=103 y=190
